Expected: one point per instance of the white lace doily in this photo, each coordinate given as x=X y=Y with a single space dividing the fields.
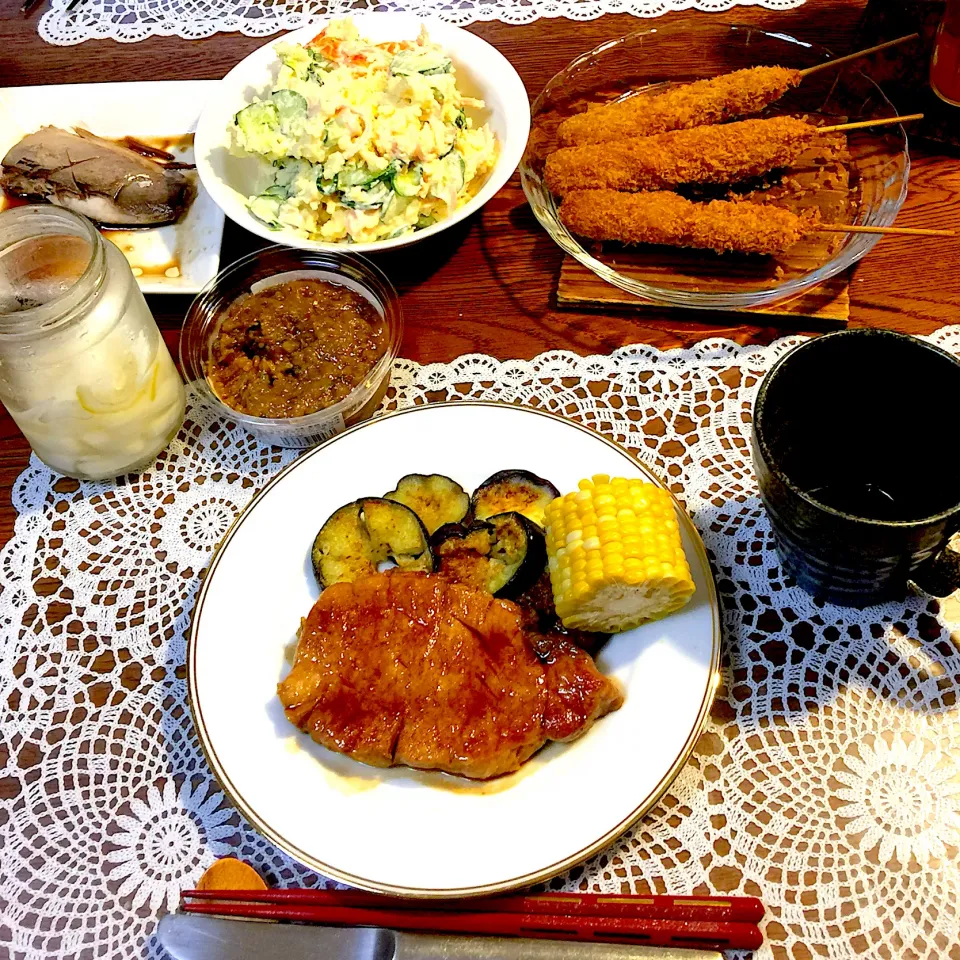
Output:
x=827 y=781
x=132 y=20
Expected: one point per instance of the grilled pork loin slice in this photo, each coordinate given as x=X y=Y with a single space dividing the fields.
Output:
x=408 y=668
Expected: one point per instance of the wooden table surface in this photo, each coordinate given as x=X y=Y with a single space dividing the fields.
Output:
x=488 y=284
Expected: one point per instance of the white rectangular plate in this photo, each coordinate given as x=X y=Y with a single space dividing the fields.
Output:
x=180 y=258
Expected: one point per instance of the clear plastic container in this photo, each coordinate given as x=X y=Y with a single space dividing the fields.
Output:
x=84 y=371
x=274 y=265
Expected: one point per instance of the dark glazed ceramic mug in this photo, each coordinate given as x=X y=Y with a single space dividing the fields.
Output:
x=851 y=444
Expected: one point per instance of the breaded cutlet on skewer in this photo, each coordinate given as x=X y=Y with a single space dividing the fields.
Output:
x=722 y=225
x=702 y=102
x=668 y=219
x=690 y=105
x=724 y=154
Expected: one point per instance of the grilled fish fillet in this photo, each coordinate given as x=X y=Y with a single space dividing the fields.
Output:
x=407 y=668
x=102 y=180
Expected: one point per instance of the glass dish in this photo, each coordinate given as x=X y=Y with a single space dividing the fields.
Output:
x=653 y=60
x=269 y=265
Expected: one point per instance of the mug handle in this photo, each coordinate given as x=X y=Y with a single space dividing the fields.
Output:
x=941 y=572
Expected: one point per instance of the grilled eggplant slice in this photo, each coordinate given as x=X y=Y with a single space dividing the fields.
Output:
x=361 y=535
x=519 y=544
x=540 y=617
x=503 y=555
x=516 y=491
x=435 y=499
x=462 y=554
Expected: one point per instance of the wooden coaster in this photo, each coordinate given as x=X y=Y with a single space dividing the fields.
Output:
x=828 y=303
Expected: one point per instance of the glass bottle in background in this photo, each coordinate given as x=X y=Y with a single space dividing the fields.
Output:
x=945 y=63
x=84 y=371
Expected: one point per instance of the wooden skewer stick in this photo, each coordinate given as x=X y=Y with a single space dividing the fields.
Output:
x=896 y=231
x=861 y=124
x=860 y=53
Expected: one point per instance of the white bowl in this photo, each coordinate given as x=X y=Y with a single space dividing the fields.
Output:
x=482 y=71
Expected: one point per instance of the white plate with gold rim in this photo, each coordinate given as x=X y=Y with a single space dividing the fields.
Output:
x=429 y=834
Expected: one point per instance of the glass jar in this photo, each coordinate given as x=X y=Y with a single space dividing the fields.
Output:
x=945 y=63
x=84 y=371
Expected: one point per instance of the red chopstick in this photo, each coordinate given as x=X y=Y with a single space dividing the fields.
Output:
x=654 y=932
x=636 y=906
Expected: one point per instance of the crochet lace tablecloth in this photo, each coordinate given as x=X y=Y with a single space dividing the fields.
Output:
x=132 y=20
x=826 y=782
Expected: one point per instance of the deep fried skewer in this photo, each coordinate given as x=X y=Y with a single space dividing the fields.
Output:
x=690 y=105
x=721 y=225
x=668 y=219
x=702 y=102
x=724 y=154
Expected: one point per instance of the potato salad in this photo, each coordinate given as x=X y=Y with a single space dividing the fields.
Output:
x=366 y=141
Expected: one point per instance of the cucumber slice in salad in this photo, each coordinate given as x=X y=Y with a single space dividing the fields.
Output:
x=257 y=118
x=291 y=108
x=445 y=67
x=266 y=208
x=446 y=153
x=454 y=171
x=297 y=61
x=425 y=62
x=288 y=171
x=394 y=207
x=374 y=195
x=407 y=182
x=289 y=103
x=351 y=176
x=358 y=176
x=319 y=64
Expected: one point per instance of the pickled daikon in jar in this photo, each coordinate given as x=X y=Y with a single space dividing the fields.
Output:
x=84 y=371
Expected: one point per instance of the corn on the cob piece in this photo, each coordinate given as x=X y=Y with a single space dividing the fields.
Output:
x=615 y=555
